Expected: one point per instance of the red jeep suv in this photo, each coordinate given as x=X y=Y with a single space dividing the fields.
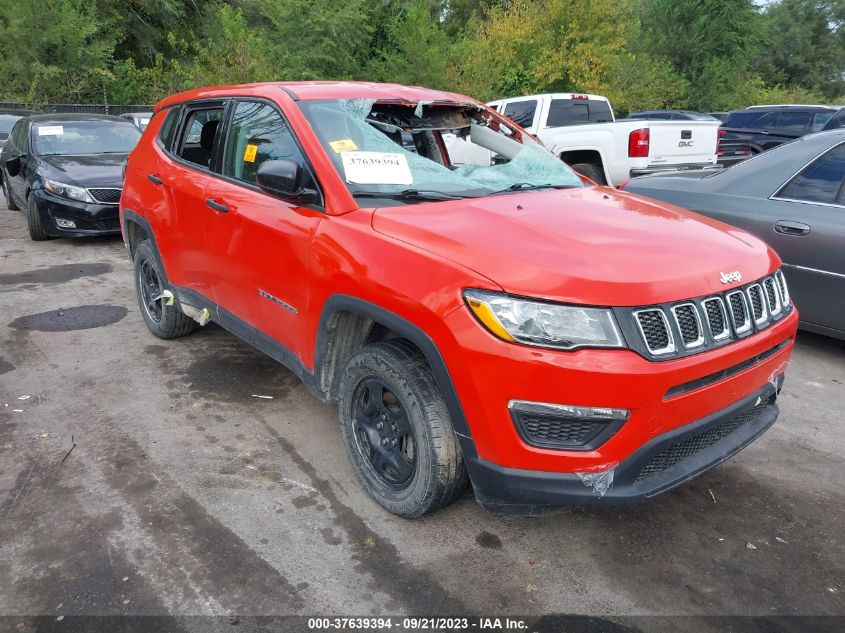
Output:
x=479 y=312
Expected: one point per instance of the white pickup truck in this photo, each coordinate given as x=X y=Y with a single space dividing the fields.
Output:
x=581 y=129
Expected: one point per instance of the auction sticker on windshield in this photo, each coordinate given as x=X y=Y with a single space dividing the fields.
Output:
x=376 y=168
x=50 y=130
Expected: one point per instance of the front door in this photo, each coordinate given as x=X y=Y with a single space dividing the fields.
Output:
x=260 y=244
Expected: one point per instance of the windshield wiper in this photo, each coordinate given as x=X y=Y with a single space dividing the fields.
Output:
x=527 y=186
x=410 y=194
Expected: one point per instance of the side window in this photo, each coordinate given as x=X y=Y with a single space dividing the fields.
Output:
x=23 y=139
x=521 y=112
x=165 y=133
x=259 y=133
x=821 y=181
x=820 y=119
x=767 y=121
x=837 y=122
x=567 y=112
x=199 y=132
x=580 y=111
x=15 y=133
x=793 y=122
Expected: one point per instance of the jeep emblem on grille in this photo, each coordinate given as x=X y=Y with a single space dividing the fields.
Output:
x=727 y=278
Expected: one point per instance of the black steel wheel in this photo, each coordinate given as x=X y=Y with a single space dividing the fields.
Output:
x=163 y=320
x=383 y=434
x=397 y=430
x=151 y=290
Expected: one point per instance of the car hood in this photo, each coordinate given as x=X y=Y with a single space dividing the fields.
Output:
x=590 y=245
x=88 y=170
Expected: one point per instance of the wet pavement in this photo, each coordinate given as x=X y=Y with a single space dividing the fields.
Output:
x=185 y=494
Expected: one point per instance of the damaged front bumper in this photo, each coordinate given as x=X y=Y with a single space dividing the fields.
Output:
x=664 y=463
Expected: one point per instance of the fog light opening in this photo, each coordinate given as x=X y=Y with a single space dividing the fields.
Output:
x=62 y=223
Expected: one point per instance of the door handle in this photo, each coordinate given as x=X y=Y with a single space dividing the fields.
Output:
x=217 y=206
x=154 y=179
x=792 y=228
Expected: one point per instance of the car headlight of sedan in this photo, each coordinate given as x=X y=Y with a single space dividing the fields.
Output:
x=544 y=324
x=67 y=191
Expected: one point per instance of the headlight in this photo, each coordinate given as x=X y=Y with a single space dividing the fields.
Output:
x=67 y=191
x=544 y=324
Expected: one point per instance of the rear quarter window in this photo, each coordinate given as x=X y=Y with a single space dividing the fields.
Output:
x=521 y=112
x=165 y=134
x=578 y=112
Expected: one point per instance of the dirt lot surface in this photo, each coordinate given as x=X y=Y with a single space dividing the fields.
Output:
x=185 y=494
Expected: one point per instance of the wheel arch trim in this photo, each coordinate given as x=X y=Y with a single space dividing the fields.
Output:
x=413 y=333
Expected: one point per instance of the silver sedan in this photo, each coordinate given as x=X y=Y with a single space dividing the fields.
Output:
x=793 y=197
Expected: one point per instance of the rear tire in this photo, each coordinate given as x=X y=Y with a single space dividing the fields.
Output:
x=397 y=430
x=10 y=204
x=591 y=171
x=34 y=223
x=164 y=321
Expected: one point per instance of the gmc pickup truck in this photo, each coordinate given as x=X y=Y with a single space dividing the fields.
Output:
x=510 y=325
x=582 y=131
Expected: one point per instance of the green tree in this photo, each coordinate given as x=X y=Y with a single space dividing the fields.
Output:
x=54 y=51
x=563 y=45
x=805 y=42
x=413 y=47
x=319 y=39
x=709 y=42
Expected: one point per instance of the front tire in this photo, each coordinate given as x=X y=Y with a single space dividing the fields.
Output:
x=33 y=221
x=164 y=321
x=397 y=430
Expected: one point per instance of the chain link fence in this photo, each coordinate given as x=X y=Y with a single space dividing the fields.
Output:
x=78 y=108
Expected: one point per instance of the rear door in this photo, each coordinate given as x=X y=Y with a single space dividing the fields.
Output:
x=805 y=224
x=259 y=244
x=682 y=142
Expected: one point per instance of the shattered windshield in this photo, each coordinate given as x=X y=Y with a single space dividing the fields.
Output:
x=430 y=151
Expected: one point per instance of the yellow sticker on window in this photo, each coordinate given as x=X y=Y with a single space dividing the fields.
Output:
x=344 y=145
x=250 y=152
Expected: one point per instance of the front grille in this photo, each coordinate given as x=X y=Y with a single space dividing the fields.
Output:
x=686 y=316
x=111 y=224
x=687 y=448
x=758 y=309
x=784 y=293
x=106 y=195
x=739 y=312
x=655 y=330
x=716 y=318
x=675 y=329
x=772 y=296
x=558 y=431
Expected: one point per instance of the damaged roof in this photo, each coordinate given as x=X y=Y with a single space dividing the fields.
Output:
x=307 y=90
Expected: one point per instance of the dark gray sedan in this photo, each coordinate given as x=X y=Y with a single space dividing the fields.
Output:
x=793 y=197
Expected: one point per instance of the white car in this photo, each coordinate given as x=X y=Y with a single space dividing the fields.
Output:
x=581 y=129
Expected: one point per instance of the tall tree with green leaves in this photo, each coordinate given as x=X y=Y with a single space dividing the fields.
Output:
x=566 y=46
x=413 y=47
x=805 y=45
x=709 y=42
x=54 y=51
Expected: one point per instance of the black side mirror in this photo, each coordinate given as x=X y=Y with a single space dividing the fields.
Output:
x=282 y=178
x=13 y=166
